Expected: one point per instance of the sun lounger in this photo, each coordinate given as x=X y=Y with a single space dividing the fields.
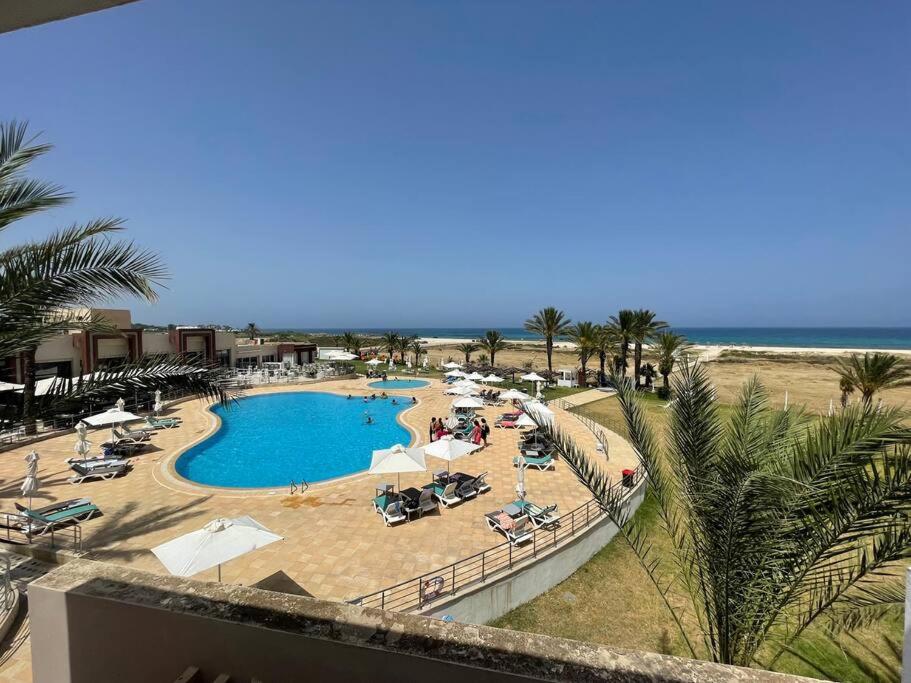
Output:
x=42 y=523
x=424 y=502
x=140 y=433
x=538 y=516
x=134 y=437
x=57 y=507
x=393 y=513
x=163 y=422
x=445 y=494
x=107 y=468
x=540 y=462
x=515 y=530
x=478 y=484
x=539 y=452
x=123 y=447
x=505 y=424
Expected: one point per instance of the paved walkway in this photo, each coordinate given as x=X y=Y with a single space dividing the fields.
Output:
x=589 y=396
x=335 y=546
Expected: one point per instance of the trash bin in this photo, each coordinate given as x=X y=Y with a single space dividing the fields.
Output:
x=628 y=478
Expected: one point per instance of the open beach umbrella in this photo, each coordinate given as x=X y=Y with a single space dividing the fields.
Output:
x=451 y=365
x=461 y=391
x=341 y=355
x=217 y=542
x=492 y=379
x=474 y=376
x=396 y=460
x=525 y=421
x=468 y=402
x=532 y=377
x=30 y=484
x=514 y=395
x=450 y=449
x=83 y=445
x=455 y=373
x=538 y=408
x=111 y=417
x=374 y=362
x=466 y=383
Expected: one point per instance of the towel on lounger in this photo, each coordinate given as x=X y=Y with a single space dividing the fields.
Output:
x=505 y=521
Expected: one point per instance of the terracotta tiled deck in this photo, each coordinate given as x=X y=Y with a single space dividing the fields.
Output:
x=335 y=546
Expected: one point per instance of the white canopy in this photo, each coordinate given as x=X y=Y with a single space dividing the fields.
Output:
x=341 y=355
x=218 y=541
x=451 y=365
x=468 y=402
x=492 y=379
x=112 y=416
x=540 y=411
x=514 y=395
x=374 y=362
x=396 y=460
x=461 y=391
x=450 y=449
x=475 y=376
x=525 y=421
x=455 y=373
x=533 y=377
x=6 y=386
x=466 y=383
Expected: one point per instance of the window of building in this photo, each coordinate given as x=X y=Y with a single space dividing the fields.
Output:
x=249 y=362
x=223 y=358
x=62 y=368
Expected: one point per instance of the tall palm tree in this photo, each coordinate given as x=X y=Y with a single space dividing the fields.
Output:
x=846 y=387
x=607 y=344
x=549 y=323
x=467 y=349
x=390 y=343
x=347 y=340
x=405 y=343
x=873 y=372
x=668 y=347
x=585 y=336
x=644 y=327
x=774 y=520
x=418 y=349
x=356 y=342
x=623 y=324
x=491 y=342
x=42 y=282
x=252 y=330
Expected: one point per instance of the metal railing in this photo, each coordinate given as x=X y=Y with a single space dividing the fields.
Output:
x=421 y=591
x=18 y=529
x=594 y=424
x=7 y=592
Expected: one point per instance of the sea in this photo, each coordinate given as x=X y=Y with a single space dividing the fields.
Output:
x=806 y=337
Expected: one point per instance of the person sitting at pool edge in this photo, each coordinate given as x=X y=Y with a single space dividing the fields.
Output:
x=414 y=400
x=383 y=395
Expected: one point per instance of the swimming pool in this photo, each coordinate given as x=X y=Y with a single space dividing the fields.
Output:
x=399 y=384
x=272 y=440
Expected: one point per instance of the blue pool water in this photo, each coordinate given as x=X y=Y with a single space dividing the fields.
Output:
x=274 y=439
x=399 y=384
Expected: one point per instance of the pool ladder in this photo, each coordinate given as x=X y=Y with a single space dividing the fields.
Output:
x=302 y=488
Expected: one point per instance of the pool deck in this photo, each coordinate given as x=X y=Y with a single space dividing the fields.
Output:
x=336 y=547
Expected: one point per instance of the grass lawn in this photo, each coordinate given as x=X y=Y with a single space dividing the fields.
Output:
x=610 y=600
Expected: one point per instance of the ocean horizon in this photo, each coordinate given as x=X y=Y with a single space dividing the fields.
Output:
x=803 y=337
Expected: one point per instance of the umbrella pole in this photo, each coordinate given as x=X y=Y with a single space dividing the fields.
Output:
x=219 y=573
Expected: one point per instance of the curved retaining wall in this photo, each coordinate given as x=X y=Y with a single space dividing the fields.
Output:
x=492 y=599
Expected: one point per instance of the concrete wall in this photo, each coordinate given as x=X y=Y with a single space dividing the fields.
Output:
x=95 y=622
x=58 y=348
x=156 y=343
x=496 y=597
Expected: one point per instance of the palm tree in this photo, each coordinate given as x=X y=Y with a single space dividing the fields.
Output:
x=623 y=324
x=467 y=349
x=390 y=343
x=607 y=343
x=347 y=341
x=549 y=323
x=492 y=342
x=873 y=372
x=42 y=282
x=252 y=330
x=405 y=343
x=773 y=519
x=418 y=349
x=355 y=343
x=846 y=387
x=668 y=347
x=585 y=336
x=649 y=373
x=644 y=327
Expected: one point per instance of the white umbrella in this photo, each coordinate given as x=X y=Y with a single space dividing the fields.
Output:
x=391 y=364
x=120 y=404
x=341 y=355
x=539 y=408
x=425 y=362
x=217 y=542
x=514 y=395
x=461 y=391
x=450 y=449
x=467 y=383
x=7 y=386
x=112 y=417
x=451 y=365
x=396 y=460
x=520 y=478
x=492 y=379
x=374 y=362
x=525 y=421
x=468 y=402
x=83 y=445
x=532 y=377
x=455 y=373
x=30 y=484
x=475 y=376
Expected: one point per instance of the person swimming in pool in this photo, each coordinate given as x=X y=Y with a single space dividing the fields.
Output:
x=384 y=395
x=394 y=402
x=368 y=420
x=349 y=397
x=372 y=397
x=414 y=400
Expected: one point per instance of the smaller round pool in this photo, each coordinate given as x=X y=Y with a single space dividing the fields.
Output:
x=399 y=384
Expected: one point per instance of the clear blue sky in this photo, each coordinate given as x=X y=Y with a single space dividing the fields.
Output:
x=430 y=163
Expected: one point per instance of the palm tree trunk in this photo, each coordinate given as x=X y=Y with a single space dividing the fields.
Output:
x=602 y=358
x=665 y=376
x=549 y=345
x=29 y=419
x=637 y=361
x=624 y=354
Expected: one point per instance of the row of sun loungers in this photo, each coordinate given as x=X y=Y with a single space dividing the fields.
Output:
x=97 y=468
x=39 y=521
x=459 y=487
x=518 y=520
